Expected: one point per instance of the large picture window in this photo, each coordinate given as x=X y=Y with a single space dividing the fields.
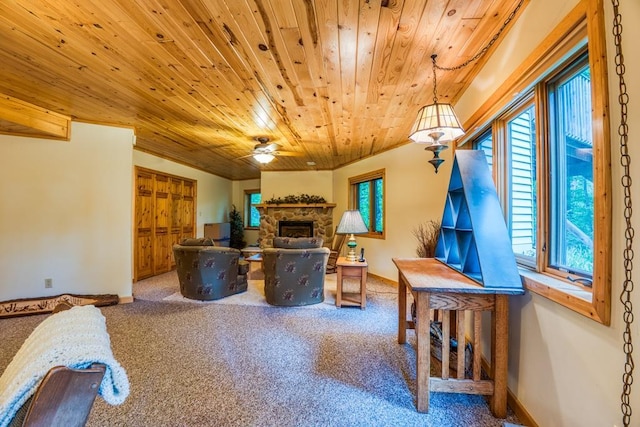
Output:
x=367 y=196
x=549 y=151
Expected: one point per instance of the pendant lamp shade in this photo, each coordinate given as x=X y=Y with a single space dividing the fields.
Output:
x=436 y=123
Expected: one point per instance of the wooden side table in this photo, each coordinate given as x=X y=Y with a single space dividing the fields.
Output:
x=351 y=269
x=255 y=266
x=436 y=286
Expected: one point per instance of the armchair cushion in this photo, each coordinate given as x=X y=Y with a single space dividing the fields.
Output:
x=297 y=242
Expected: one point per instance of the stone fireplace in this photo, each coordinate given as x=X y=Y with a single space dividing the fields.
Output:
x=318 y=216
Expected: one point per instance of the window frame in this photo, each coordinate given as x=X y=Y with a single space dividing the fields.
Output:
x=353 y=200
x=583 y=27
x=247 y=209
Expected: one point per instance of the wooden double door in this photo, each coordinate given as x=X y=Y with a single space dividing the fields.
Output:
x=164 y=214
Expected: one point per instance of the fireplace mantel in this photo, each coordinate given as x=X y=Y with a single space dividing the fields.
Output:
x=320 y=213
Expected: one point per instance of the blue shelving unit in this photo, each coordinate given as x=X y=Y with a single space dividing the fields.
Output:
x=473 y=236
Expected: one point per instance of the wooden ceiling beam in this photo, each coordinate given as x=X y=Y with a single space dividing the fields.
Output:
x=35 y=121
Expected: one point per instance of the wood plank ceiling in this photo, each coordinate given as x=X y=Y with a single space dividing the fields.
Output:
x=333 y=81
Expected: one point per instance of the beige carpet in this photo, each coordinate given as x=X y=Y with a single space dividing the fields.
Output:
x=255 y=296
x=212 y=364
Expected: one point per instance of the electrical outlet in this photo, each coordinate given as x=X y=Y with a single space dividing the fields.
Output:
x=48 y=283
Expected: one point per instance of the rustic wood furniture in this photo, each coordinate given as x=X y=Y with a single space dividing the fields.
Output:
x=435 y=286
x=336 y=248
x=356 y=270
x=64 y=398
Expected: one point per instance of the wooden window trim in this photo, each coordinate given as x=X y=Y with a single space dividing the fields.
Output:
x=585 y=21
x=370 y=176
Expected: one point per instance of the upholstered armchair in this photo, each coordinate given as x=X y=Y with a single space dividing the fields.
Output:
x=294 y=271
x=208 y=272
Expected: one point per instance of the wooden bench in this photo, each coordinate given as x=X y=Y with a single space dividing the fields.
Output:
x=64 y=398
x=70 y=382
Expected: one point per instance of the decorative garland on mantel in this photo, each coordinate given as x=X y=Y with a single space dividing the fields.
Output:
x=303 y=199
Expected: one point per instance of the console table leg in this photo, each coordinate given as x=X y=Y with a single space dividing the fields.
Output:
x=499 y=355
x=423 y=352
x=402 y=310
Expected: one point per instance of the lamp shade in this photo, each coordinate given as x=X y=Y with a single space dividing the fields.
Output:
x=263 y=157
x=436 y=123
x=352 y=223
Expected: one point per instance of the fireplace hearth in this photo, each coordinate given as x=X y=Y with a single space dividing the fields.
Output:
x=295 y=228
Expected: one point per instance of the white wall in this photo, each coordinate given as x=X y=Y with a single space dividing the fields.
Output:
x=563 y=367
x=66 y=213
x=414 y=195
x=280 y=184
x=214 y=193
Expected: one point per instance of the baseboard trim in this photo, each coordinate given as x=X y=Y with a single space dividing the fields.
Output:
x=523 y=415
x=384 y=279
x=512 y=401
x=125 y=300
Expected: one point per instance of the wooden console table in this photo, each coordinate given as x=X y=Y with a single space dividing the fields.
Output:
x=436 y=286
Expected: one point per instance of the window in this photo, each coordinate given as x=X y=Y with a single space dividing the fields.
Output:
x=251 y=214
x=367 y=195
x=549 y=151
x=571 y=187
x=521 y=171
x=485 y=143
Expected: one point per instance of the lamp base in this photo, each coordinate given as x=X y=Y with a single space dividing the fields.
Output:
x=351 y=243
x=436 y=149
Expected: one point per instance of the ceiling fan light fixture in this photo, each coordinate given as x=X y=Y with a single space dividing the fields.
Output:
x=264 y=158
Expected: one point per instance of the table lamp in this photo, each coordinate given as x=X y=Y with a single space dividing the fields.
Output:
x=351 y=223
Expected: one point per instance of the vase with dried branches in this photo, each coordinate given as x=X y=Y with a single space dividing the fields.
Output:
x=427 y=236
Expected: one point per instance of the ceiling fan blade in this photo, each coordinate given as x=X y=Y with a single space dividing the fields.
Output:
x=288 y=153
x=271 y=147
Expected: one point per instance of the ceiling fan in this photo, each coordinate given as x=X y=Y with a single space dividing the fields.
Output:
x=264 y=152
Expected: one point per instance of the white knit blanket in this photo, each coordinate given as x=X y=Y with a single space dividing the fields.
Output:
x=75 y=338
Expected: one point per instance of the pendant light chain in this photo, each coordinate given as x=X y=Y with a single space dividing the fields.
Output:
x=484 y=50
x=435 y=94
x=625 y=160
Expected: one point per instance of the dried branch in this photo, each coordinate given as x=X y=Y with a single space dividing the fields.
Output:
x=427 y=235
